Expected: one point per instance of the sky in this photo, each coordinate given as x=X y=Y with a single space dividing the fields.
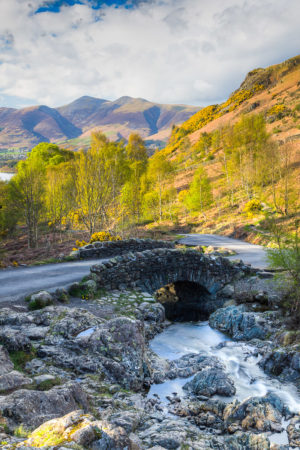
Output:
x=168 y=51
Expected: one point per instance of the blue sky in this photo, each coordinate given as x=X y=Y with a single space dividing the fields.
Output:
x=169 y=51
x=55 y=5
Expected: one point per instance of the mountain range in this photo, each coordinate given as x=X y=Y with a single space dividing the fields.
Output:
x=71 y=125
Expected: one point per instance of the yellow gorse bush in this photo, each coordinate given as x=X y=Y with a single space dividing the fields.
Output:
x=80 y=243
x=104 y=236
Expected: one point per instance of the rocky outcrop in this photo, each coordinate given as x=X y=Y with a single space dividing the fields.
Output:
x=107 y=249
x=240 y=324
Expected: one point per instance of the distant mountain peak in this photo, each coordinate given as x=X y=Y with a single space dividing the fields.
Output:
x=28 y=126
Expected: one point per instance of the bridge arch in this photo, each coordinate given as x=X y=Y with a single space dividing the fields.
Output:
x=152 y=270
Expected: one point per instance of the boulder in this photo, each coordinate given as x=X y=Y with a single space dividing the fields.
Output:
x=75 y=426
x=13 y=380
x=293 y=431
x=239 y=324
x=32 y=408
x=152 y=312
x=40 y=300
x=282 y=363
x=211 y=381
x=14 y=340
x=254 y=413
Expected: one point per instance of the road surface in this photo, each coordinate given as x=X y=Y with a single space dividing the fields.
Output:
x=249 y=253
x=16 y=283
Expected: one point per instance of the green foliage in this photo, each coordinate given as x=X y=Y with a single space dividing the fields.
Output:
x=21 y=432
x=48 y=384
x=20 y=358
x=38 y=303
x=199 y=196
x=287 y=256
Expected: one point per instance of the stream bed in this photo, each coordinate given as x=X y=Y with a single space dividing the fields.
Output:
x=240 y=360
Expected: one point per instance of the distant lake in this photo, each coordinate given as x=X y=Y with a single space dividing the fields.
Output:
x=6 y=176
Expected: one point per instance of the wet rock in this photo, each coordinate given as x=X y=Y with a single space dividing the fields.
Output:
x=293 y=431
x=208 y=413
x=247 y=441
x=282 y=363
x=32 y=408
x=239 y=324
x=259 y=413
x=211 y=381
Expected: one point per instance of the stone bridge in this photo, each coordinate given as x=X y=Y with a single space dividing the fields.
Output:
x=191 y=280
x=107 y=249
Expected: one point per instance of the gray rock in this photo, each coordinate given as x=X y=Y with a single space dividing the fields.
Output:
x=211 y=381
x=239 y=324
x=152 y=312
x=42 y=378
x=258 y=413
x=14 y=340
x=32 y=408
x=13 y=380
x=6 y=364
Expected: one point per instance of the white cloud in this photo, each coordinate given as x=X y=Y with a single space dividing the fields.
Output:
x=175 y=51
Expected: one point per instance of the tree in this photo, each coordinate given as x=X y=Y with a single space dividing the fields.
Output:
x=199 y=196
x=287 y=256
x=93 y=188
x=60 y=193
x=131 y=193
x=9 y=214
x=159 y=173
x=28 y=188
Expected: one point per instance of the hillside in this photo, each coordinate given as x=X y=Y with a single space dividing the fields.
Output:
x=273 y=93
x=22 y=129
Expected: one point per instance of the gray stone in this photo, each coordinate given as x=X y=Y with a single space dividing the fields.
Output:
x=32 y=408
x=238 y=323
x=211 y=381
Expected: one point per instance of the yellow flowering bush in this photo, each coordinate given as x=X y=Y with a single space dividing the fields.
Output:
x=80 y=243
x=104 y=236
x=252 y=207
x=278 y=111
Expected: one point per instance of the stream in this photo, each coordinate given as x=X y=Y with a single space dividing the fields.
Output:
x=240 y=360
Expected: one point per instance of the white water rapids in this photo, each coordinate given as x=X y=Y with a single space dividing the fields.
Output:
x=240 y=360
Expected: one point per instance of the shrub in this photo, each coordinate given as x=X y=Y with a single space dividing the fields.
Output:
x=104 y=236
x=252 y=207
x=80 y=243
x=287 y=257
x=278 y=111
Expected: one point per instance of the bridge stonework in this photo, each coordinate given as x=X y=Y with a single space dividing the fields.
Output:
x=107 y=249
x=152 y=269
